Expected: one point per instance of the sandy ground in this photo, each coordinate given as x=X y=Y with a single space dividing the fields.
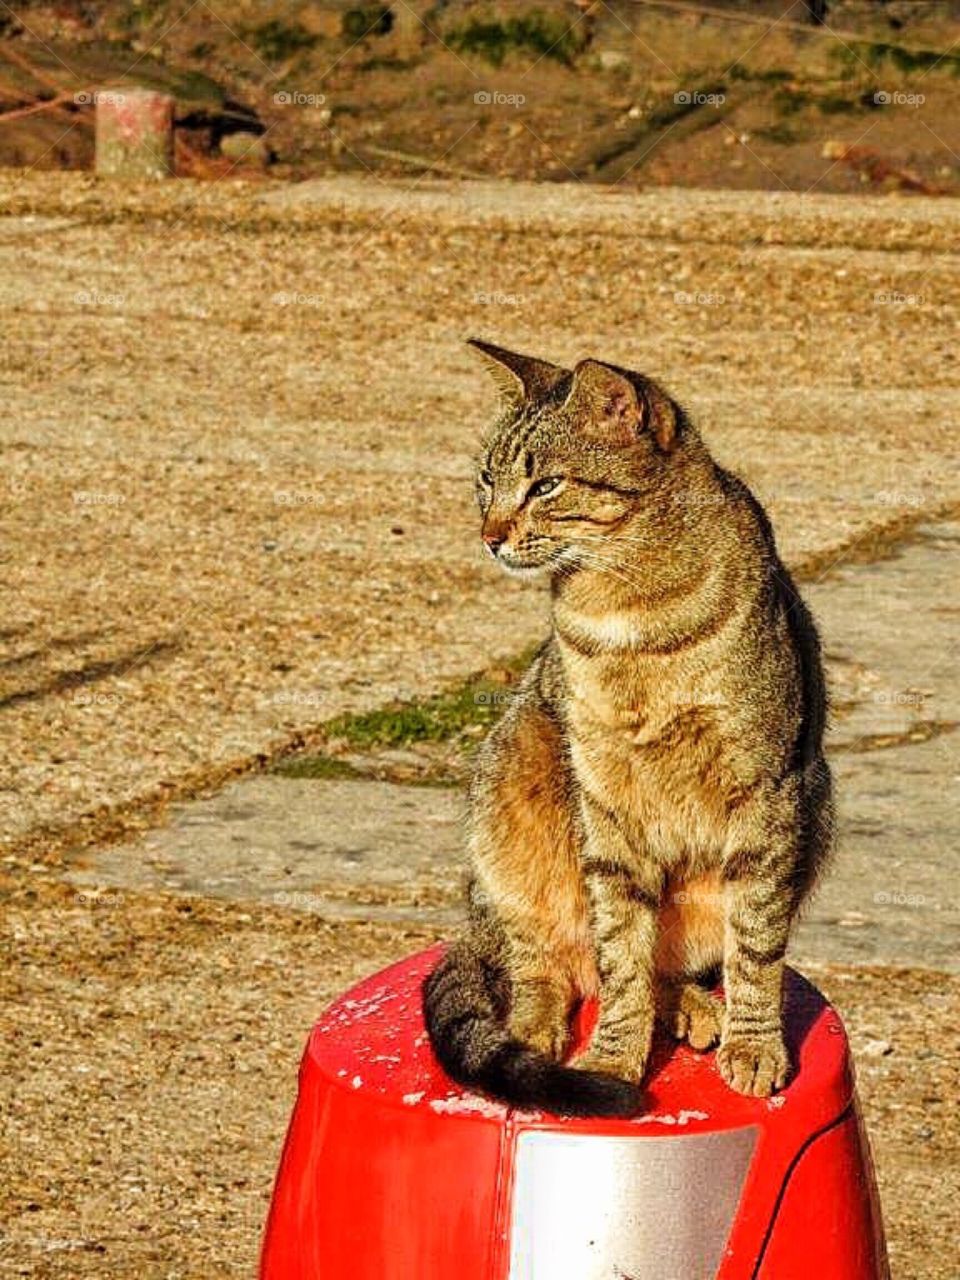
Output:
x=151 y=1050
x=237 y=438
x=239 y=428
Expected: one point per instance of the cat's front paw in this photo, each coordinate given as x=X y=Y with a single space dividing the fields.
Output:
x=754 y=1066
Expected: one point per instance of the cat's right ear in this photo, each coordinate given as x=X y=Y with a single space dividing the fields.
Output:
x=519 y=378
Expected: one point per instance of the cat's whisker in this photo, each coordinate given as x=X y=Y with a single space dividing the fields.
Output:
x=598 y=564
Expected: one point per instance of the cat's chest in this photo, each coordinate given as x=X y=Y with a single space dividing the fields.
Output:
x=631 y=702
x=680 y=781
x=667 y=751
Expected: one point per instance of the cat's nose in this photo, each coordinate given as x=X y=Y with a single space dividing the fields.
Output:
x=493 y=542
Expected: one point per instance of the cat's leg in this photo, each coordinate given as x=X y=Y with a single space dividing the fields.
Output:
x=689 y=959
x=689 y=1011
x=524 y=845
x=541 y=997
x=760 y=876
x=624 y=893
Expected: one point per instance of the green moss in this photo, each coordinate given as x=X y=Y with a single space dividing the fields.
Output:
x=880 y=56
x=832 y=105
x=535 y=33
x=386 y=64
x=437 y=719
x=789 y=101
x=325 y=768
x=462 y=712
x=775 y=75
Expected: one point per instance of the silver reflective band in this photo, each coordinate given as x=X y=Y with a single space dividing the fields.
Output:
x=644 y=1208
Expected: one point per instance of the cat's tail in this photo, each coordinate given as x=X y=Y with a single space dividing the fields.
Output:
x=464 y=1021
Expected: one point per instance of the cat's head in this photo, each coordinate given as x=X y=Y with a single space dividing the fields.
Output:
x=574 y=460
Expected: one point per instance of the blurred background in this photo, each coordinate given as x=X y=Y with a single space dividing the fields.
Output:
x=770 y=94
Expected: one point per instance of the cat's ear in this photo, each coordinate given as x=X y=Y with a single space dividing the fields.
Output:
x=611 y=407
x=518 y=377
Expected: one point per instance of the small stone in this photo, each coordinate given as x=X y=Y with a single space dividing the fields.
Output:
x=613 y=60
x=852 y=920
x=876 y=1048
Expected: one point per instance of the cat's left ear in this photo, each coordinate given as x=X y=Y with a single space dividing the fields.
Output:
x=611 y=407
x=519 y=378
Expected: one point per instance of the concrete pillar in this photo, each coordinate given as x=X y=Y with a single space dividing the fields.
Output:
x=134 y=134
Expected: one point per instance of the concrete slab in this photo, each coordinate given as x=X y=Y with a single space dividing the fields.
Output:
x=341 y=849
x=382 y=851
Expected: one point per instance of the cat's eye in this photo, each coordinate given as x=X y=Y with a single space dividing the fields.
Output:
x=486 y=479
x=541 y=488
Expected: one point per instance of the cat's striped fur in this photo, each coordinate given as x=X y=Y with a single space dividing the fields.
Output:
x=654 y=804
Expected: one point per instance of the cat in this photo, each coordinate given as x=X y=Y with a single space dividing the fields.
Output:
x=654 y=804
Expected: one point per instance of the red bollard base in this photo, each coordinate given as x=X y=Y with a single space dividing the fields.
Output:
x=392 y=1172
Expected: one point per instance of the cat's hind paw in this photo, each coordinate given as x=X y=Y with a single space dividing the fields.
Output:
x=692 y=1013
x=546 y=1037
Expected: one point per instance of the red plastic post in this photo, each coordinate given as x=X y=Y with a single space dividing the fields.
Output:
x=392 y=1172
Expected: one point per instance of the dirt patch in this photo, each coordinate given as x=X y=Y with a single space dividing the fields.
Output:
x=238 y=481
x=150 y=1061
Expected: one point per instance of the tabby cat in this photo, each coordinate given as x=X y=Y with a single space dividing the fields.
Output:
x=655 y=803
